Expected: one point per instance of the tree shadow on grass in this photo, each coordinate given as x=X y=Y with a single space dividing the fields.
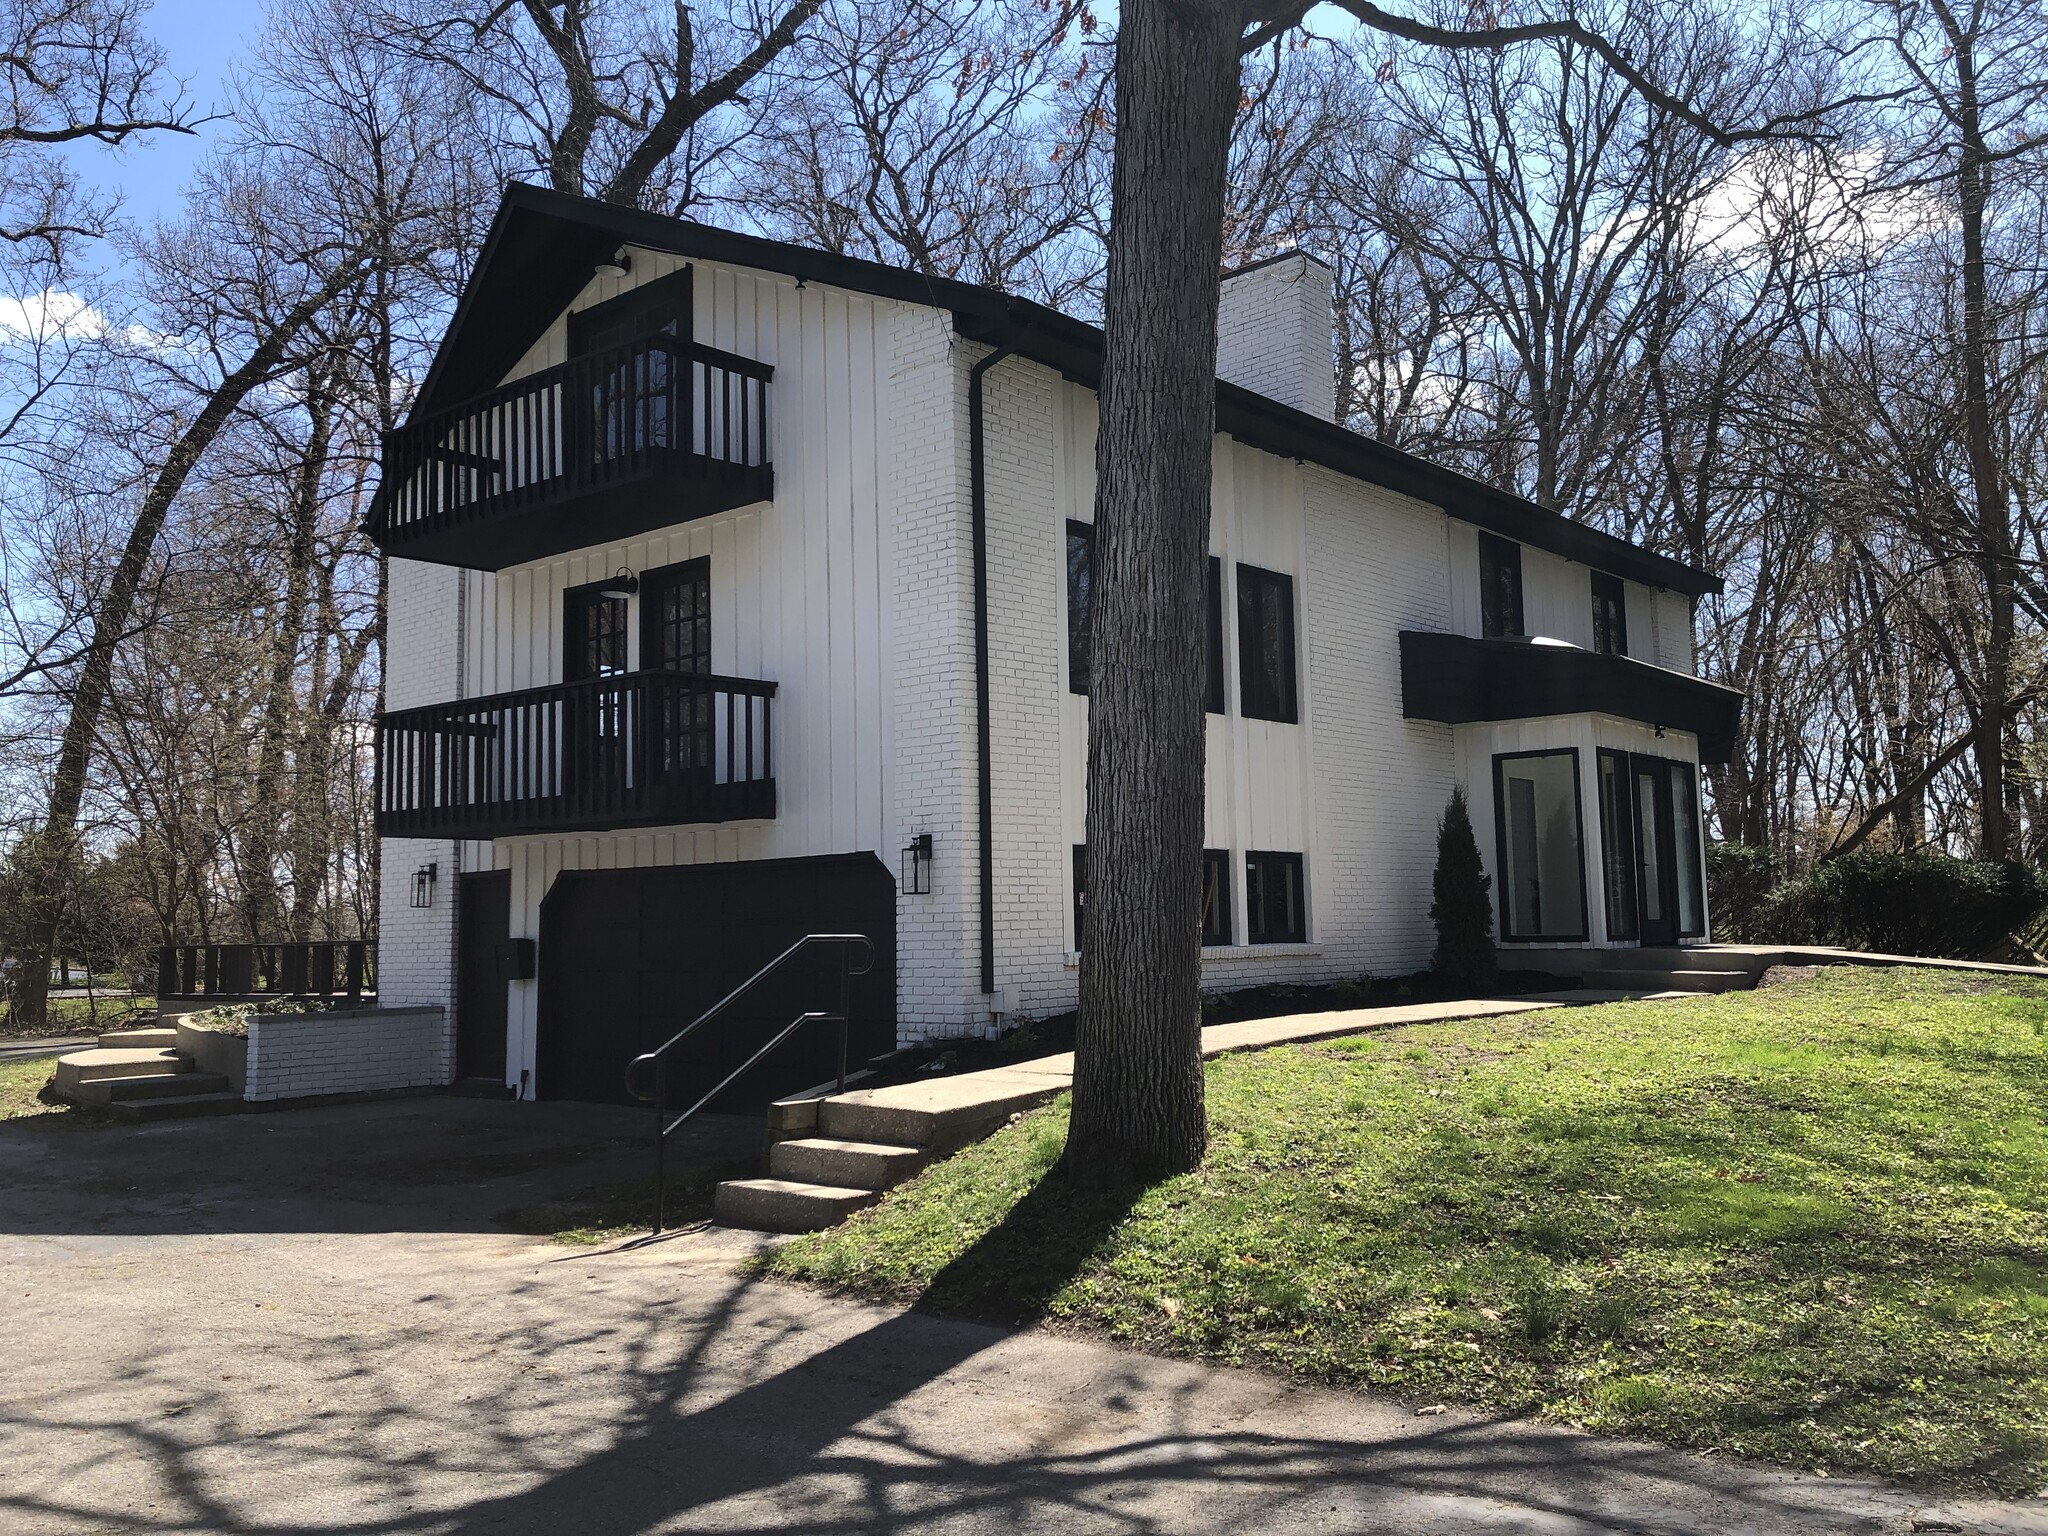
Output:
x=1012 y=1273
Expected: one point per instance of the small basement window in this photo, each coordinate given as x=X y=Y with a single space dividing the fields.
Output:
x=1536 y=816
x=1274 y=912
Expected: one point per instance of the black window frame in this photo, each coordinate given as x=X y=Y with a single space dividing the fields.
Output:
x=1258 y=863
x=1618 y=858
x=655 y=586
x=1500 y=587
x=1690 y=872
x=1610 y=615
x=1215 y=687
x=1216 y=924
x=1080 y=647
x=1500 y=845
x=1260 y=696
x=1080 y=891
x=576 y=602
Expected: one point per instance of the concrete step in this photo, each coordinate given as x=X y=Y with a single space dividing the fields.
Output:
x=87 y=1066
x=1668 y=958
x=786 y=1205
x=844 y=1164
x=152 y=1039
x=129 y=1090
x=943 y=1114
x=178 y=1108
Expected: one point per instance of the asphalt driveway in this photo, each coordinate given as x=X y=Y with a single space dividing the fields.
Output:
x=308 y=1322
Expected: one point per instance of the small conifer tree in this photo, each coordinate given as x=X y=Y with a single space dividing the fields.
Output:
x=1462 y=904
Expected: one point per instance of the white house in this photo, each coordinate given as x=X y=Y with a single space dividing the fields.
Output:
x=730 y=581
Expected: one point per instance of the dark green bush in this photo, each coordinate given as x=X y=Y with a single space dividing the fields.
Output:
x=1462 y=904
x=1739 y=877
x=1920 y=903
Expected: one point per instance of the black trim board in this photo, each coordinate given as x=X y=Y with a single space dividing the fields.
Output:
x=543 y=245
x=1457 y=680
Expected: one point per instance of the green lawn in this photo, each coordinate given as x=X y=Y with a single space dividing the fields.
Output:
x=1808 y=1224
x=87 y=1015
x=22 y=1083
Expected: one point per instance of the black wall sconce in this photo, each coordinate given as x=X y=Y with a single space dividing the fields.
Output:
x=622 y=585
x=423 y=880
x=618 y=264
x=917 y=866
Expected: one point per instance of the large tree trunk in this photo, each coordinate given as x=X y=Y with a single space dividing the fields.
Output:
x=1138 y=1109
x=1987 y=483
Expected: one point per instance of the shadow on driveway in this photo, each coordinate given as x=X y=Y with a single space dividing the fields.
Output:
x=431 y=1163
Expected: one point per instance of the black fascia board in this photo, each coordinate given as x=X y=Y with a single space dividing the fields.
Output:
x=543 y=245
x=1461 y=680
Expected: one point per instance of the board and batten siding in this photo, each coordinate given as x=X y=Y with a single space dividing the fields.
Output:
x=806 y=591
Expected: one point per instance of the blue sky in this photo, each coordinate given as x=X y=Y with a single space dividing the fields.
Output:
x=202 y=39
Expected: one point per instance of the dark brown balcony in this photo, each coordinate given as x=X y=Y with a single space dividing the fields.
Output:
x=598 y=449
x=638 y=749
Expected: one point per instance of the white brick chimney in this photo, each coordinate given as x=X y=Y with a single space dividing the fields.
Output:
x=1276 y=332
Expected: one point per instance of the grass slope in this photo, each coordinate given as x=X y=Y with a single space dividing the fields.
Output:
x=22 y=1085
x=1808 y=1224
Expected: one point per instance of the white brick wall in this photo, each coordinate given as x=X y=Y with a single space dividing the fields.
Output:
x=296 y=1056
x=422 y=665
x=1276 y=333
x=938 y=981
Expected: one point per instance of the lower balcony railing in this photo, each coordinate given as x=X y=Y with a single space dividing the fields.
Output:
x=334 y=969
x=635 y=749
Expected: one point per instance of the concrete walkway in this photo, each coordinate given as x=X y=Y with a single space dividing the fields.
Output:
x=959 y=1108
x=301 y=1323
x=28 y=1047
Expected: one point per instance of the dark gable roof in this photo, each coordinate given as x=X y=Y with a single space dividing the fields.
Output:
x=542 y=246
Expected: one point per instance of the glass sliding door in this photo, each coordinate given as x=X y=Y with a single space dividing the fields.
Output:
x=1617 y=847
x=1690 y=902
x=1540 y=846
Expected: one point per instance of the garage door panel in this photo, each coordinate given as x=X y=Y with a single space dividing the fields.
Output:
x=629 y=957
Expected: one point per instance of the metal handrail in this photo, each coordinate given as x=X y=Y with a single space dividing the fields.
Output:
x=657 y=1059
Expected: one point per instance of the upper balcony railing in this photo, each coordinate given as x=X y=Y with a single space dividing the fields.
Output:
x=635 y=749
x=654 y=432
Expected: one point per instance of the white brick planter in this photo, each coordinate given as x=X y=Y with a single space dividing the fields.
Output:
x=364 y=1050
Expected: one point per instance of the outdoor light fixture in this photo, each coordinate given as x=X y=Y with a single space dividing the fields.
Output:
x=917 y=866
x=622 y=585
x=618 y=264
x=423 y=880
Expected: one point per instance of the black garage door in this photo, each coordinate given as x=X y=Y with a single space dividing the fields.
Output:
x=629 y=956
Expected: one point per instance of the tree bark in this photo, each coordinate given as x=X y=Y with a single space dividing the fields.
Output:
x=1138 y=1108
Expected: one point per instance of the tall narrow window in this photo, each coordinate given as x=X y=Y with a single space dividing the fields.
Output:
x=1543 y=889
x=1080 y=590
x=1685 y=850
x=675 y=636
x=1274 y=912
x=1265 y=644
x=593 y=634
x=1500 y=586
x=1213 y=691
x=1080 y=890
x=1610 y=615
x=1617 y=847
x=1215 y=896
